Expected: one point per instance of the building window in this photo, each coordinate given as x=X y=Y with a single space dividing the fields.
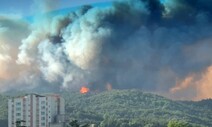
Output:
x=43 y=107
x=42 y=102
x=43 y=118
x=42 y=113
x=18 y=103
x=18 y=109
x=18 y=114
x=43 y=124
x=18 y=119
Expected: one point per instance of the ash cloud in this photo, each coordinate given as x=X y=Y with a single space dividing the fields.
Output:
x=146 y=44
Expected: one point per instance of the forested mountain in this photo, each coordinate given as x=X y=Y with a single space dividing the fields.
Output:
x=130 y=108
x=3 y=111
x=135 y=108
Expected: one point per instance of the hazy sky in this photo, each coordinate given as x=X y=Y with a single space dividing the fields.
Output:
x=25 y=7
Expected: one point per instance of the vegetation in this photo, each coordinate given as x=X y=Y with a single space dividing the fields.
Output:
x=130 y=108
x=75 y=123
x=178 y=124
x=133 y=108
x=3 y=111
x=18 y=123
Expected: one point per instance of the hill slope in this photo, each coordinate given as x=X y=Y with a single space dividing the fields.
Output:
x=135 y=108
x=3 y=111
x=129 y=108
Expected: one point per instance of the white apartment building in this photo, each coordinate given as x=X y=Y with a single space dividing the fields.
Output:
x=36 y=110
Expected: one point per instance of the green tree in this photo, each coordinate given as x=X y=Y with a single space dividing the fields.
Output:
x=18 y=123
x=74 y=123
x=174 y=123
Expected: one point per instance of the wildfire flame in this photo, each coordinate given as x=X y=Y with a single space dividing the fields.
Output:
x=84 y=90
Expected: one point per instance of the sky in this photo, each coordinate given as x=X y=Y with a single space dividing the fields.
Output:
x=159 y=46
x=25 y=7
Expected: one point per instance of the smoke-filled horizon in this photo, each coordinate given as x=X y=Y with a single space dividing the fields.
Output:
x=157 y=46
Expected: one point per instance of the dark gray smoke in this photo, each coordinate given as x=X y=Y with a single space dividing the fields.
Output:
x=145 y=44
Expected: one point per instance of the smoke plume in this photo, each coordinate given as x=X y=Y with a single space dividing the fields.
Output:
x=158 y=46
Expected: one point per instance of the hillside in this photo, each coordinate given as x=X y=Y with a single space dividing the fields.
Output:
x=3 y=111
x=129 y=108
x=135 y=108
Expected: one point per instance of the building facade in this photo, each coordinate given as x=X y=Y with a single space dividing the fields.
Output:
x=35 y=110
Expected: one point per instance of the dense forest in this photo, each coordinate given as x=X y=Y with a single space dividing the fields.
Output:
x=134 y=108
x=3 y=111
x=130 y=108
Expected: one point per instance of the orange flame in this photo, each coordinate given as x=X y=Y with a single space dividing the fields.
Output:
x=84 y=90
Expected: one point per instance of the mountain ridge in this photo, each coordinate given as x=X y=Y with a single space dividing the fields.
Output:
x=128 y=108
x=131 y=104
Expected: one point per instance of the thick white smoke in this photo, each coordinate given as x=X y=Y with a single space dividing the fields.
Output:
x=151 y=45
x=84 y=39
